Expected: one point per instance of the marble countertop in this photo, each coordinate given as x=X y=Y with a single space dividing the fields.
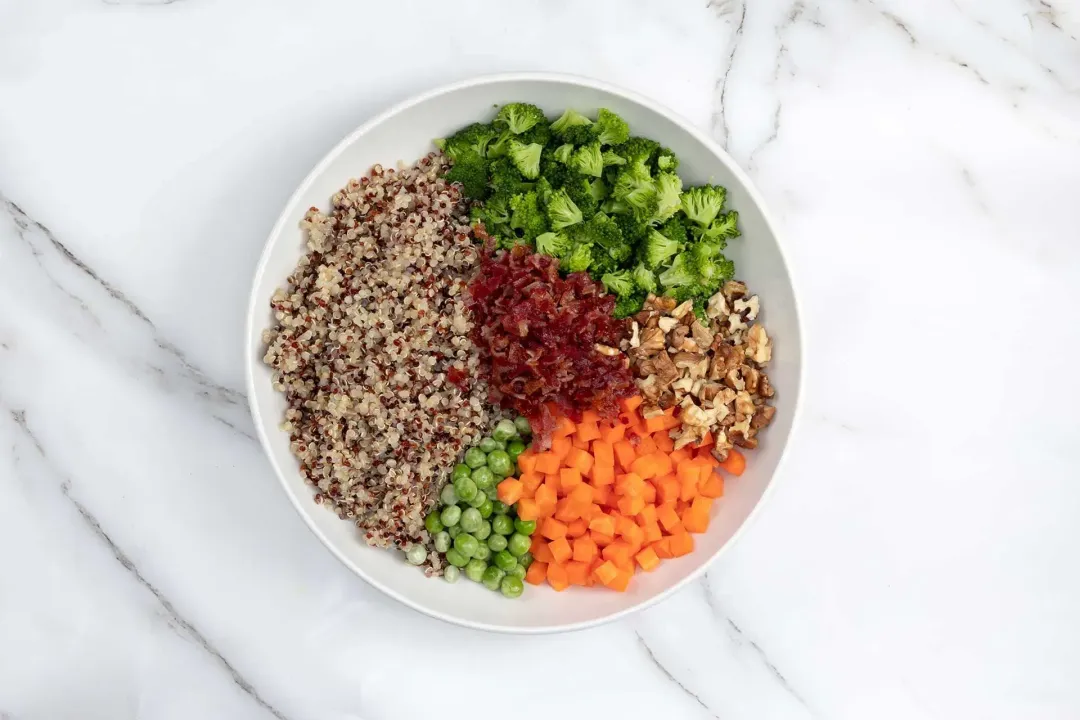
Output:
x=920 y=559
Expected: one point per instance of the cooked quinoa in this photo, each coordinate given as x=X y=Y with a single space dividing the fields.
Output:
x=370 y=324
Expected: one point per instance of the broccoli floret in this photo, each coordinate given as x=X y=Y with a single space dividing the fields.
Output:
x=703 y=203
x=633 y=231
x=519 y=117
x=675 y=228
x=556 y=173
x=526 y=217
x=610 y=158
x=561 y=210
x=680 y=274
x=610 y=129
x=578 y=259
x=637 y=148
x=580 y=191
x=505 y=178
x=602 y=232
x=666 y=160
x=472 y=139
x=668 y=187
x=526 y=158
x=644 y=278
x=540 y=133
x=563 y=153
x=500 y=146
x=658 y=249
x=599 y=190
x=494 y=214
x=577 y=135
x=724 y=227
x=544 y=191
x=602 y=263
x=471 y=171
x=569 y=119
x=628 y=305
x=619 y=283
x=698 y=271
x=555 y=244
x=635 y=188
x=588 y=160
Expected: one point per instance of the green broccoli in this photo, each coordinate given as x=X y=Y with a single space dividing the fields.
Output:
x=588 y=160
x=519 y=117
x=471 y=171
x=599 y=190
x=526 y=158
x=698 y=271
x=556 y=173
x=570 y=118
x=619 y=283
x=668 y=187
x=610 y=129
x=724 y=227
x=544 y=191
x=658 y=249
x=577 y=135
x=470 y=140
x=581 y=191
x=703 y=203
x=505 y=178
x=635 y=188
x=540 y=133
x=578 y=259
x=602 y=232
x=561 y=210
x=500 y=146
x=637 y=148
x=563 y=152
x=526 y=217
x=628 y=305
x=645 y=278
x=666 y=160
x=675 y=228
x=494 y=214
x=555 y=244
x=633 y=231
x=610 y=158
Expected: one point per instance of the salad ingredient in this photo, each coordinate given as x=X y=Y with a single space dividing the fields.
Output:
x=442 y=541
x=511 y=586
x=450 y=515
x=476 y=457
x=492 y=577
x=466 y=544
x=497 y=542
x=371 y=415
x=475 y=570
x=712 y=371
x=416 y=554
x=451 y=574
x=499 y=463
x=539 y=335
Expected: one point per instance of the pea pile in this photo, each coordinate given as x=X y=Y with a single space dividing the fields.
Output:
x=479 y=535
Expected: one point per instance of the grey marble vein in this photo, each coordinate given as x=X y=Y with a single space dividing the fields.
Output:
x=172 y=615
x=719 y=118
x=660 y=666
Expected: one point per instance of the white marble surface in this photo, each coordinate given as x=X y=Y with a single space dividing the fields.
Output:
x=920 y=559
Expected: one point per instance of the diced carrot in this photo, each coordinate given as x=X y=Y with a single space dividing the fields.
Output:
x=667 y=517
x=587 y=431
x=687 y=470
x=527 y=509
x=735 y=463
x=647 y=515
x=644 y=466
x=601 y=539
x=688 y=489
x=649 y=493
x=680 y=506
x=604 y=524
x=617 y=552
x=655 y=423
x=547 y=463
x=582 y=495
x=537 y=573
x=622 y=580
x=682 y=544
x=510 y=490
x=647 y=559
x=645 y=446
x=603 y=495
x=560 y=550
x=569 y=478
x=667 y=489
x=602 y=475
x=606 y=572
x=653 y=532
x=701 y=505
x=585 y=549
x=625 y=454
x=579 y=459
x=590 y=416
x=663 y=463
x=680 y=455
x=560 y=446
x=588 y=512
x=577 y=572
x=662 y=548
x=566 y=512
x=633 y=534
x=580 y=444
x=621 y=522
x=563 y=426
x=712 y=486
x=557 y=577
x=629 y=484
x=612 y=434
x=630 y=404
x=663 y=441
x=552 y=529
x=546 y=497
x=540 y=550
x=527 y=461
x=706 y=442
x=577 y=528
x=694 y=522
x=603 y=454
x=530 y=481
x=631 y=504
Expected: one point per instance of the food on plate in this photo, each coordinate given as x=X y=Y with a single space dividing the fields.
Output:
x=523 y=359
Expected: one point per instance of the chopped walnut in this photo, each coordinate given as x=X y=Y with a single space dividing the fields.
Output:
x=652 y=341
x=701 y=334
x=680 y=312
x=667 y=324
x=748 y=308
x=734 y=289
x=758 y=348
x=717 y=307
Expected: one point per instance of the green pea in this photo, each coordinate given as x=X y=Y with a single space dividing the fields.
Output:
x=496 y=542
x=492 y=578
x=518 y=544
x=454 y=531
x=487 y=444
x=502 y=524
x=486 y=508
x=483 y=552
x=466 y=544
x=493 y=495
x=499 y=507
x=456 y=559
x=475 y=569
x=482 y=532
x=523 y=427
x=510 y=586
x=451 y=574
x=460 y=470
x=526 y=560
x=514 y=448
x=517 y=571
x=450 y=515
x=504 y=430
x=475 y=457
x=500 y=445
x=433 y=523
x=470 y=520
x=465 y=489
x=499 y=463
x=447 y=495
x=483 y=478
x=525 y=527
x=478 y=499
x=442 y=541
x=505 y=561
x=416 y=554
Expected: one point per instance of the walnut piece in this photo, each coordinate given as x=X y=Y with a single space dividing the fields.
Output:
x=758 y=347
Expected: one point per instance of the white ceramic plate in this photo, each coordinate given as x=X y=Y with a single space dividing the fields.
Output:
x=404 y=133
